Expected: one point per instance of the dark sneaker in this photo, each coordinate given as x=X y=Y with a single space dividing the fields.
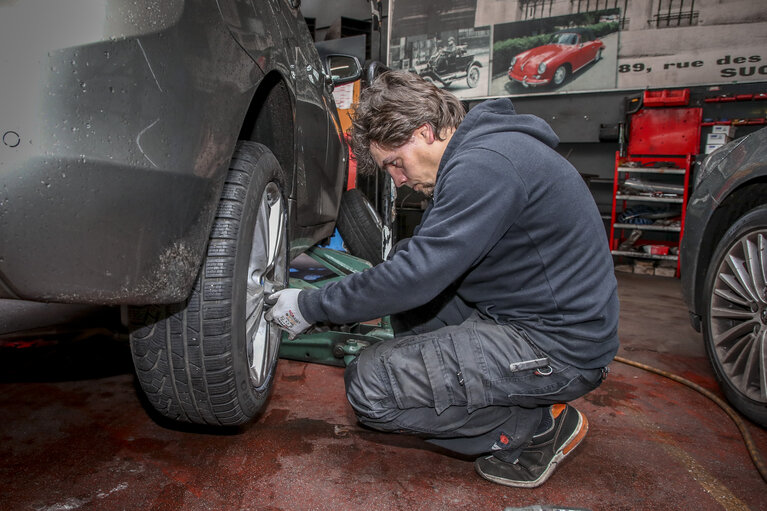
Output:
x=538 y=460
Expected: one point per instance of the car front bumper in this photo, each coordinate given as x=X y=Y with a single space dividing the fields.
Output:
x=527 y=80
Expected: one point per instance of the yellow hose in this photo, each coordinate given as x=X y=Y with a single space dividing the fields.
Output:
x=756 y=457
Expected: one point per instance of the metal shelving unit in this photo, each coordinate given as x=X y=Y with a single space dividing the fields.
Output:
x=621 y=199
x=662 y=145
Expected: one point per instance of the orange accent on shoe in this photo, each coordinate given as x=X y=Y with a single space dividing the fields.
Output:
x=504 y=439
x=573 y=443
x=557 y=409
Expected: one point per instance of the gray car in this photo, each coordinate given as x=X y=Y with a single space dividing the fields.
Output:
x=724 y=268
x=168 y=157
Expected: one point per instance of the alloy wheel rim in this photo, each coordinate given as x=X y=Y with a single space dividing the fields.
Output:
x=267 y=271
x=738 y=315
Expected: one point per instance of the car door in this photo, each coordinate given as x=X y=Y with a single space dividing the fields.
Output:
x=579 y=57
x=589 y=48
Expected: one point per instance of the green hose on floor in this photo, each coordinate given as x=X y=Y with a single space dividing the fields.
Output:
x=756 y=457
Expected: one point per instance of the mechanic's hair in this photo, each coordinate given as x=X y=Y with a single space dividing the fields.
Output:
x=393 y=107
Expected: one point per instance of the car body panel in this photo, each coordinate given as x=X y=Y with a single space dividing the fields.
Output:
x=576 y=55
x=730 y=169
x=116 y=139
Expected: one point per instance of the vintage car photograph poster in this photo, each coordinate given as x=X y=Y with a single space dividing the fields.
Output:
x=560 y=54
x=444 y=47
x=455 y=60
x=644 y=43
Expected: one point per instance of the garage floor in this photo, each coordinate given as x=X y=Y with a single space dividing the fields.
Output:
x=75 y=437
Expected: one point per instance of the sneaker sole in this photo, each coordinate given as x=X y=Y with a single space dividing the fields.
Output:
x=572 y=442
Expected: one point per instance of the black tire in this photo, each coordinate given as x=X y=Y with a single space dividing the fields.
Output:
x=360 y=227
x=472 y=77
x=735 y=314
x=211 y=360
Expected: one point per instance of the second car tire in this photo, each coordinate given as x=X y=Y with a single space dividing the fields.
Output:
x=735 y=314
x=360 y=227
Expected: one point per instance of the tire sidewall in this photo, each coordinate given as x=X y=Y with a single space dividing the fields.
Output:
x=266 y=170
x=753 y=220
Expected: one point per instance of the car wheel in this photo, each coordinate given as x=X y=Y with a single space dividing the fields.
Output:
x=360 y=227
x=472 y=79
x=735 y=317
x=211 y=360
x=560 y=75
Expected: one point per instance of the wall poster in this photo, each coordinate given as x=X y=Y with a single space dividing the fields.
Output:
x=479 y=48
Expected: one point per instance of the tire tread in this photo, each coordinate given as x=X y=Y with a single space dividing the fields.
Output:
x=183 y=353
x=360 y=232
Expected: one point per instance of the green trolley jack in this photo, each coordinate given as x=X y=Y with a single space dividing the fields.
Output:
x=337 y=347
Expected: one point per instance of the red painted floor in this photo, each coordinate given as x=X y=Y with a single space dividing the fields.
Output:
x=75 y=438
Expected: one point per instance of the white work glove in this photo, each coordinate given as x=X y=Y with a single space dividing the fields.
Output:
x=285 y=312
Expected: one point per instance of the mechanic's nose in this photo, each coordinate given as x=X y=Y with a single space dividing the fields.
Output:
x=398 y=176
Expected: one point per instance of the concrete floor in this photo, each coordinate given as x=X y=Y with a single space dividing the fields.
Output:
x=75 y=437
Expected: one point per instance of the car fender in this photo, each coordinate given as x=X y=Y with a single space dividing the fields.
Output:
x=473 y=63
x=721 y=195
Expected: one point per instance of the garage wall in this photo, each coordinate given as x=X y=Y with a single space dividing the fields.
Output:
x=714 y=47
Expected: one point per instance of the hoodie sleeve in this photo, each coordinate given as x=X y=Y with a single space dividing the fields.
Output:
x=478 y=197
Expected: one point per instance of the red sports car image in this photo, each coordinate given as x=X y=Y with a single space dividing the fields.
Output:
x=568 y=52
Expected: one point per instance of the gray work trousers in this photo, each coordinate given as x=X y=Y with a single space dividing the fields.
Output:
x=460 y=380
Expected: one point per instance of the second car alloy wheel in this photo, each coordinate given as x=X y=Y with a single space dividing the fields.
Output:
x=736 y=324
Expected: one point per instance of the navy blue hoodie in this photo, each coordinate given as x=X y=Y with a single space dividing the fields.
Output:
x=515 y=225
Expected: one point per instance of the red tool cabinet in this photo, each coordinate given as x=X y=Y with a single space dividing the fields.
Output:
x=651 y=182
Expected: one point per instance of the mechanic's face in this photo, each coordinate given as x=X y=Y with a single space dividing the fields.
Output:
x=415 y=163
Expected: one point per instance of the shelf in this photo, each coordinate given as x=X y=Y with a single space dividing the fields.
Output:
x=650 y=170
x=649 y=227
x=642 y=255
x=677 y=169
x=642 y=198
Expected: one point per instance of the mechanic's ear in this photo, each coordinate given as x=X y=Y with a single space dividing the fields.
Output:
x=426 y=132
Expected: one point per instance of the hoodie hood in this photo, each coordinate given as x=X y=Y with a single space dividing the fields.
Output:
x=497 y=116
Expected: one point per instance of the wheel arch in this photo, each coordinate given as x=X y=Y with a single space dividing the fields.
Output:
x=269 y=120
x=742 y=199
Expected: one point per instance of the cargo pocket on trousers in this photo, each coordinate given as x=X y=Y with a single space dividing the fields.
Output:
x=472 y=370
x=435 y=371
x=416 y=375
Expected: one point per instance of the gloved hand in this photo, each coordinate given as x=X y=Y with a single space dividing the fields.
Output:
x=285 y=312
